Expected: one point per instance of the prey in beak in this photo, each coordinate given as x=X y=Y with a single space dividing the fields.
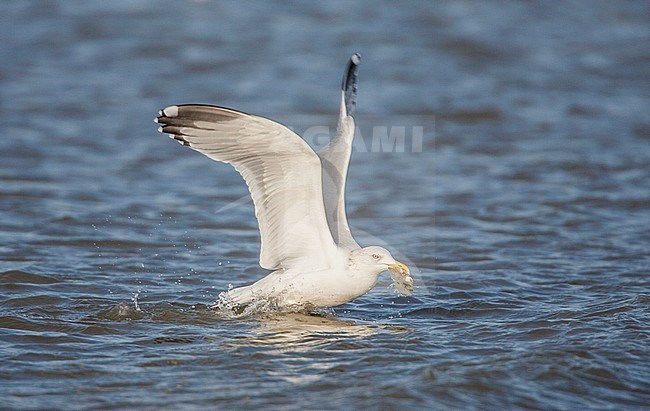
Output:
x=401 y=275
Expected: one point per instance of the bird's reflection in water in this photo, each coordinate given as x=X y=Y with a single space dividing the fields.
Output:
x=299 y=347
x=304 y=331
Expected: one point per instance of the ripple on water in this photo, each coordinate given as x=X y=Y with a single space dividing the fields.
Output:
x=16 y=277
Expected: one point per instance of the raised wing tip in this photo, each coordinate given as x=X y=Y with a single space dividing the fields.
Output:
x=349 y=85
x=350 y=76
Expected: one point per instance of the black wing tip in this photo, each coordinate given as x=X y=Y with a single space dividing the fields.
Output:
x=349 y=85
x=165 y=117
x=350 y=77
x=165 y=114
x=188 y=110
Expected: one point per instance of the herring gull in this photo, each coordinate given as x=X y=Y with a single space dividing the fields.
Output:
x=299 y=199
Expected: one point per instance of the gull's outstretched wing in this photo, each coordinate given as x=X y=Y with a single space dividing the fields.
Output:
x=282 y=172
x=336 y=157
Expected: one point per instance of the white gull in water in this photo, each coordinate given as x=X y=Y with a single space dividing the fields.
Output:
x=299 y=199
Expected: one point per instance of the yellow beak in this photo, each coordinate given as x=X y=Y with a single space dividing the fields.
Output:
x=401 y=276
x=399 y=268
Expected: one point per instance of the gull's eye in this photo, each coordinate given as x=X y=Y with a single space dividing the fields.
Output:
x=376 y=256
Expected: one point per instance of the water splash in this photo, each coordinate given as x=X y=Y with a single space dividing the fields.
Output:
x=121 y=312
x=135 y=300
x=229 y=309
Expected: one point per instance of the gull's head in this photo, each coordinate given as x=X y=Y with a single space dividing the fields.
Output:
x=376 y=260
x=379 y=258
